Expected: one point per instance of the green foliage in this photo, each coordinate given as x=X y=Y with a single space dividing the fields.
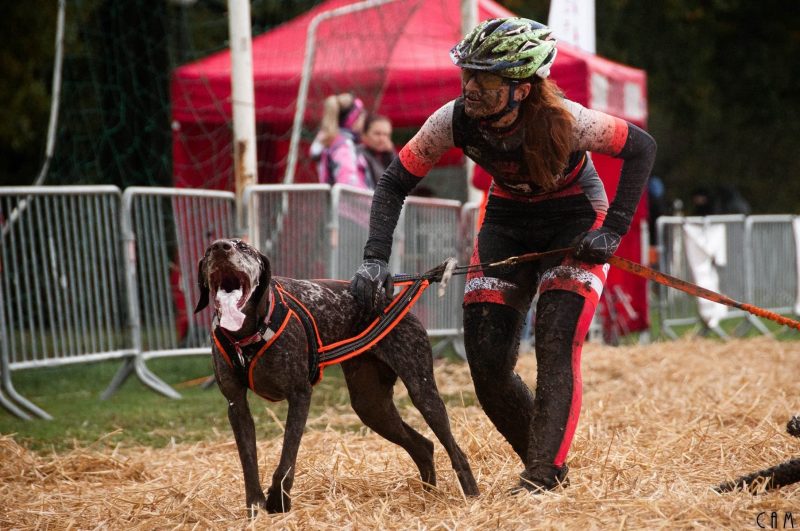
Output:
x=26 y=59
x=723 y=96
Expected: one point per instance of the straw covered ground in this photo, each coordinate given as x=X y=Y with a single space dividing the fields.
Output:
x=661 y=424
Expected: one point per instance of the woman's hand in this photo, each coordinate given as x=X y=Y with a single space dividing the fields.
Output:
x=597 y=246
x=372 y=285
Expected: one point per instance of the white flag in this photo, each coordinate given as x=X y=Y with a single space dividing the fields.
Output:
x=572 y=21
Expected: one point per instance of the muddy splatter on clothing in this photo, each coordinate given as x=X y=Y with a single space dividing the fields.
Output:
x=522 y=218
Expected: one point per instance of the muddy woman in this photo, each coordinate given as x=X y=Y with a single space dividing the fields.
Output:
x=512 y=120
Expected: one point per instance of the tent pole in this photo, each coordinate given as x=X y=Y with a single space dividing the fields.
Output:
x=305 y=79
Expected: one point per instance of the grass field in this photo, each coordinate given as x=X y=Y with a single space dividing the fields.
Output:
x=136 y=415
x=661 y=424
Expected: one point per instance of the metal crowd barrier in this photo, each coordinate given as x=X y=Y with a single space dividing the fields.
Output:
x=62 y=288
x=760 y=268
x=166 y=232
x=89 y=274
x=349 y=229
x=291 y=224
x=678 y=308
x=771 y=263
x=429 y=234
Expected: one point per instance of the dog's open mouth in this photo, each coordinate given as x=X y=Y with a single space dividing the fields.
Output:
x=230 y=290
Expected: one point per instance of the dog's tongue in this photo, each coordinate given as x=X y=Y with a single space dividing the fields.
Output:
x=230 y=316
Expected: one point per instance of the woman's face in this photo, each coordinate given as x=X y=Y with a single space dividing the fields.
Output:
x=358 y=125
x=379 y=136
x=484 y=93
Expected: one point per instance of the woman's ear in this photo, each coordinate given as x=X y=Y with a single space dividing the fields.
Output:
x=521 y=91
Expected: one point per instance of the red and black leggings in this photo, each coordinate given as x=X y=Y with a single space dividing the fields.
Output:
x=540 y=428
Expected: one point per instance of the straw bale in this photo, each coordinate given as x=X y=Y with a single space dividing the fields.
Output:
x=661 y=425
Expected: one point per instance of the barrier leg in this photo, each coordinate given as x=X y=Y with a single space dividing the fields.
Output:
x=136 y=365
x=23 y=402
x=152 y=381
x=119 y=378
x=12 y=408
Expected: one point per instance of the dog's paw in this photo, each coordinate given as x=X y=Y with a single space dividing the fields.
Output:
x=258 y=503
x=278 y=501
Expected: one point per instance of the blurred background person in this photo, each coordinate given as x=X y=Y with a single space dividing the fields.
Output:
x=376 y=150
x=334 y=147
x=720 y=199
x=658 y=205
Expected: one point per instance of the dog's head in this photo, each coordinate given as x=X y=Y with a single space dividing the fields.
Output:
x=231 y=265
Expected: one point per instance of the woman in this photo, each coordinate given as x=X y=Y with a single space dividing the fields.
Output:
x=546 y=194
x=335 y=144
x=376 y=150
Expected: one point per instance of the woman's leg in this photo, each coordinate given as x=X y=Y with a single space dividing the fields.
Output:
x=568 y=298
x=491 y=338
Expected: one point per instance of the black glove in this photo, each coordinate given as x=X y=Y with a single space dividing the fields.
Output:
x=372 y=285
x=596 y=246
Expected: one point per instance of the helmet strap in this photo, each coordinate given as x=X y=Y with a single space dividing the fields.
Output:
x=511 y=104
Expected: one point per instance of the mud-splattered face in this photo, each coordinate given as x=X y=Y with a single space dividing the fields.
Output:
x=484 y=94
x=231 y=266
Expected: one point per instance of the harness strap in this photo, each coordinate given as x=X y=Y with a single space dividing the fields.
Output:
x=252 y=347
x=287 y=306
x=320 y=356
x=312 y=334
x=259 y=335
x=400 y=305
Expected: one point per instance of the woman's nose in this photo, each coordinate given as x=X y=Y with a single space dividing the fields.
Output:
x=471 y=84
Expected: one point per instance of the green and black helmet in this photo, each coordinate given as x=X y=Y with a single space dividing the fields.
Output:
x=515 y=48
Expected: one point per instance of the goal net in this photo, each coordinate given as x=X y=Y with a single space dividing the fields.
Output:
x=146 y=98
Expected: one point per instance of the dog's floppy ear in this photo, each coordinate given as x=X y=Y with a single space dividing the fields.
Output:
x=202 y=283
x=266 y=269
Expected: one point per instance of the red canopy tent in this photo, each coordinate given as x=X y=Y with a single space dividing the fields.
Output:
x=396 y=58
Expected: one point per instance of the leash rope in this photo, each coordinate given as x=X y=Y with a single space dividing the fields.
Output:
x=438 y=273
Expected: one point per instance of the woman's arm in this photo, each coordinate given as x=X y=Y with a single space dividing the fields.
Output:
x=413 y=162
x=602 y=133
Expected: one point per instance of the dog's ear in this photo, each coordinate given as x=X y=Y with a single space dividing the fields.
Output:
x=266 y=270
x=202 y=284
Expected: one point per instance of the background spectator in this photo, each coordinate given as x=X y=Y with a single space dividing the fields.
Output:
x=335 y=144
x=376 y=150
x=723 y=199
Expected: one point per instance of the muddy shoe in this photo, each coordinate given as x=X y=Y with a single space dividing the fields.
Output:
x=793 y=426
x=542 y=479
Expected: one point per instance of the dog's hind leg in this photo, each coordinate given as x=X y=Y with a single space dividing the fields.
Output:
x=371 y=385
x=426 y=399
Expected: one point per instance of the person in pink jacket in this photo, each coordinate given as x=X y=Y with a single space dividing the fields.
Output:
x=335 y=145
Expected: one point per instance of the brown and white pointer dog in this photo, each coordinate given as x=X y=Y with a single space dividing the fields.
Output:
x=282 y=370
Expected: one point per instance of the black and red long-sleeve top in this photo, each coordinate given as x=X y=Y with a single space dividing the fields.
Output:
x=500 y=152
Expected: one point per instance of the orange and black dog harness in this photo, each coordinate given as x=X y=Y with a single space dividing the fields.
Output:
x=242 y=355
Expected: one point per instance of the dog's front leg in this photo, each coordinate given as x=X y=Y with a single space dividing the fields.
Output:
x=244 y=431
x=278 y=499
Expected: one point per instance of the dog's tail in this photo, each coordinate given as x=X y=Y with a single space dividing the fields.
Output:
x=770 y=478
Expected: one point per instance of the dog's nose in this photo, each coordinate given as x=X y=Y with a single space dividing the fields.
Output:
x=221 y=245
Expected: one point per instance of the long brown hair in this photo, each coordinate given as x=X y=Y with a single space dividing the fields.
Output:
x=547 y=134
